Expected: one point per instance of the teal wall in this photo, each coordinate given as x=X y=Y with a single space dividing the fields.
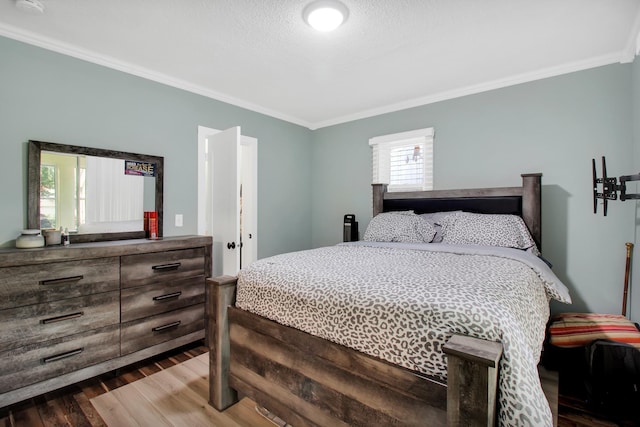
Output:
x=554 y=126
x=51 y=97
x=309 y=179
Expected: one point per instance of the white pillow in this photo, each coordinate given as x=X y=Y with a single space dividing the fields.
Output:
x=404 y=226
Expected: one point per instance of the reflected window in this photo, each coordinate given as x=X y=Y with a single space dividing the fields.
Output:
x=82 y=194
x=87 y=194
x=48 y=201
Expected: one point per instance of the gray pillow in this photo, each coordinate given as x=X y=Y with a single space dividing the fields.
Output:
x=435 y=219
x=467 y=228
x=404 y=226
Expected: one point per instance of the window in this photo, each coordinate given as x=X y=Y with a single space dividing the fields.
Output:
x=404 y=160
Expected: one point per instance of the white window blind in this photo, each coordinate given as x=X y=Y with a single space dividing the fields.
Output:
x=404 y=160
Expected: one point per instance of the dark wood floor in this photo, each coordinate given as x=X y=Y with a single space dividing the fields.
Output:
x=574 y=411
x=70 y=406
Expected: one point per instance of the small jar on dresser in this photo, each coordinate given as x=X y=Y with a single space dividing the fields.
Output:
x=71 y=313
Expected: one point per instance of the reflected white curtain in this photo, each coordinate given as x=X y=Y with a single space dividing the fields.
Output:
x=110 y=194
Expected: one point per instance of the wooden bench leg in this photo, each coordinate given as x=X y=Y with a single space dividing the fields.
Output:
x=472 y=381
x=220 y=293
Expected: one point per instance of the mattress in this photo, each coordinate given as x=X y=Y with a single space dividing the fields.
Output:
x=401 y=302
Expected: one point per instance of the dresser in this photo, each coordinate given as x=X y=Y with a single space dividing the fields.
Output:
x=71 y=313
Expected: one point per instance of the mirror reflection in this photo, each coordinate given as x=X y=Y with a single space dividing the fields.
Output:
x=88 y=194
x=96 y=194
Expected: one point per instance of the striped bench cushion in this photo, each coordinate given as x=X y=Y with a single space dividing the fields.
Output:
x=579 y=329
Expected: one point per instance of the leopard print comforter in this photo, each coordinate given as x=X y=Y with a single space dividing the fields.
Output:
x=402 y=303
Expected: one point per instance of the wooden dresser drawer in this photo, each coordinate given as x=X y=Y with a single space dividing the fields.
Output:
x=146 y=269
x=41 y=322
x=144 y=301
x=26 y=285
x=150 y=331
x=34 y=363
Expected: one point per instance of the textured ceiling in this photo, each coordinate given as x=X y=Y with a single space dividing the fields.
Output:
x=389 y=55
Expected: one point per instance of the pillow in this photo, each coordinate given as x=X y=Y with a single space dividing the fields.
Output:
x=435 y=219
x=405 y=226
x=579 y=329
x=465 y=228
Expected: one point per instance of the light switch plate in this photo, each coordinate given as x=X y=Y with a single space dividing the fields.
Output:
x=178 y=220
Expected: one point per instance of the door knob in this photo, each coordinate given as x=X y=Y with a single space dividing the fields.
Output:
x=231 y=245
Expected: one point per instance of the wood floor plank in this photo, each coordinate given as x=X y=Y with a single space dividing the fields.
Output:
x=150 y=369
x=183 y=390
x=113 y=380
x=191 y=378
x=203 y=359
x=196 y=369
x=110 y=409
x=197 y=351
x=132 y=398
x=72 y=411
x=166 y=363
x=199 y=365
x=27 y=416
x=583 y=420
x=115 y=413
x=92 y=387
x=180 y=404
x=90 y=413
x=50 y=412
x=180 y=357
x=133 y=376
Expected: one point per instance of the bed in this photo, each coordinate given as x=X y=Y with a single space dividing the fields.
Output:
x=298 y=334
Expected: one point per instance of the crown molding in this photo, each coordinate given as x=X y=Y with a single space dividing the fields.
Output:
x=116 y=64
x=475 y=89
x=632 y=46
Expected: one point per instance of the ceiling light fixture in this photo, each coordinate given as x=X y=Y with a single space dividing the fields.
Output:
x=325 y=15
x=32 y=7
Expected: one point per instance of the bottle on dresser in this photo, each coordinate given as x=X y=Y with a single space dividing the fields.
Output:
x=65 y=237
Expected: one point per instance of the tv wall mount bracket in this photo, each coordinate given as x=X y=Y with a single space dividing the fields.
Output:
x=609 y=187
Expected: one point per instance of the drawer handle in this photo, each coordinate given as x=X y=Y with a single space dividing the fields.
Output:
x=167 y=326
x=166 y=267
x=61 y=281
x=167 y=296
x=62 y=355
x=62 y=318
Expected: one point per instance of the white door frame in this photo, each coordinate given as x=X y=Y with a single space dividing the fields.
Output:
x=250 y=220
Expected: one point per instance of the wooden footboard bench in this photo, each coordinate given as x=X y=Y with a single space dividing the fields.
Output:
x=308 y=381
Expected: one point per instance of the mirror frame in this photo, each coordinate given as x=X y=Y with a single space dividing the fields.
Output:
x=33 y=186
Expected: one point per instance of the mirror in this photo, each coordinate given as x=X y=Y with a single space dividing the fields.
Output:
x=96 y=194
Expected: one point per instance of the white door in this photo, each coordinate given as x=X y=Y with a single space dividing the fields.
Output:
x=223 y=201
x=249 y=201
x=228 y=166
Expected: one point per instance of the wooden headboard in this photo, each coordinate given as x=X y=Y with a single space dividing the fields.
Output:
x=523 y=201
